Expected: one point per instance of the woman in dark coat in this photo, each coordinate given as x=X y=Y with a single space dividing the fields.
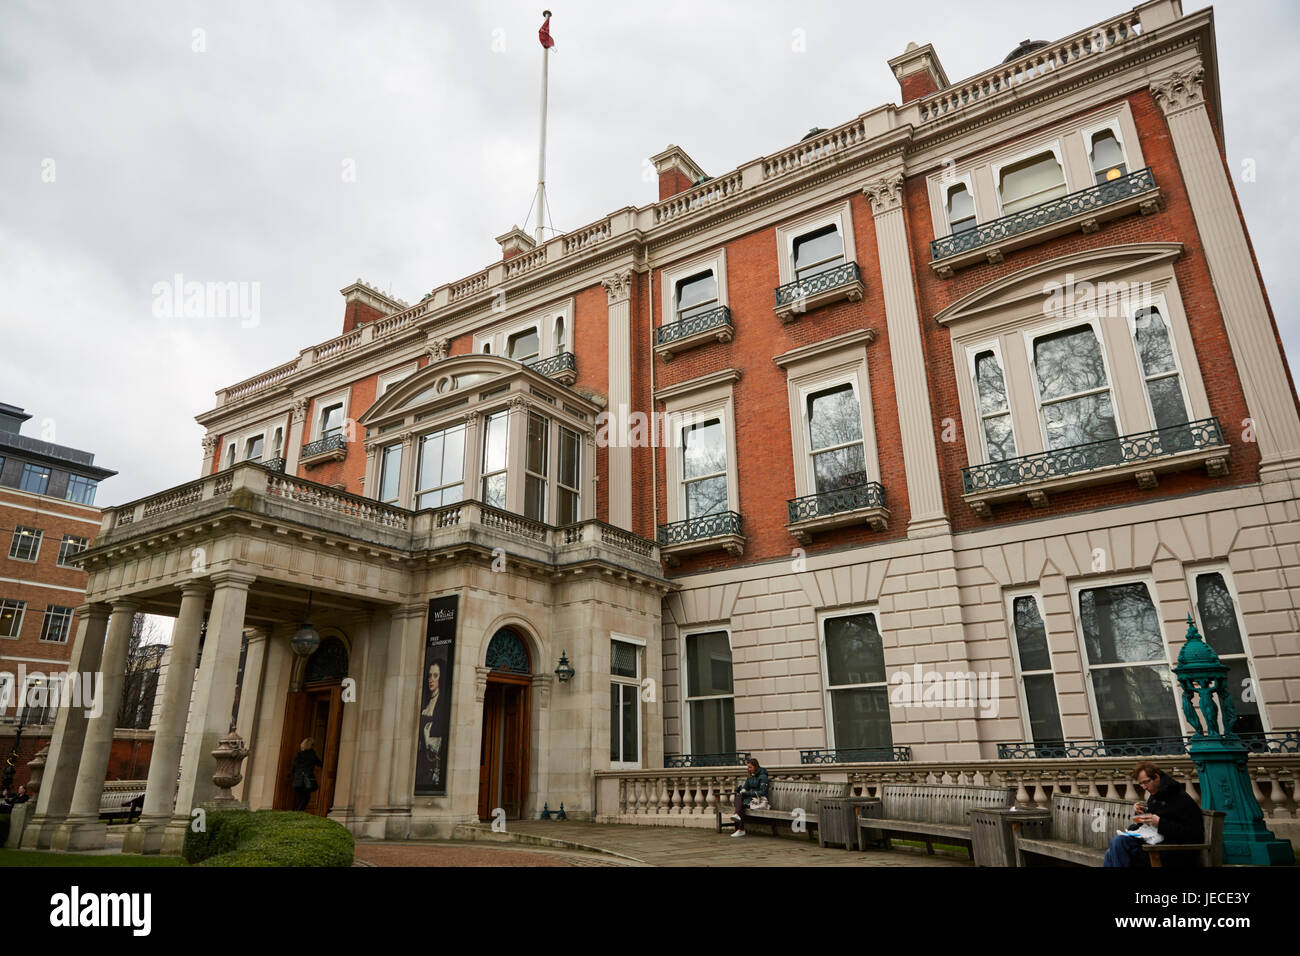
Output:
x=304 y=773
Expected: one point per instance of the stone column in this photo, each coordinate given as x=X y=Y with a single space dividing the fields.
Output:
x=517 y=452
x=906 y=356
x=350 y=732
x=214 y=697
x=210 y=450
x=1236 y=284
x=160 y=792
x=248 y=720
x=293 y=440
x=59 y=782
x=399 y=720
x=367 y=790
x=82 y=830
x=618 y=289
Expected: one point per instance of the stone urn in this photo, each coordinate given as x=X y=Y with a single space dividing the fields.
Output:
x=36 y=769
x=230 y=754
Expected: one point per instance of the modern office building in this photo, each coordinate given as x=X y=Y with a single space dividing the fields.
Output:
x=912 y=443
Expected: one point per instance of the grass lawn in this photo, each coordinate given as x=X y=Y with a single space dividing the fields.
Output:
x=42 y=858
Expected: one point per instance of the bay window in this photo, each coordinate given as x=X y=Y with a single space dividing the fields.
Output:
x=390 y=473
x=441 y=474
x=569 y=479
x=495 y=431
x=536 y=466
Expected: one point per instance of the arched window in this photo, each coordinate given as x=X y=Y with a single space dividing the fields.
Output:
x=961 y=209
x=1107 y=157
x=329 y=662
x=559 y=335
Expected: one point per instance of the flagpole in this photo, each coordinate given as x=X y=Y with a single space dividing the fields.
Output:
x=541 y=154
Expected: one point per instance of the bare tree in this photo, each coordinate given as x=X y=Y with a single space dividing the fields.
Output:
x=140 y=682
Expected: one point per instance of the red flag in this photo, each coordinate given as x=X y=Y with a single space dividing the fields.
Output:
x=544 y=34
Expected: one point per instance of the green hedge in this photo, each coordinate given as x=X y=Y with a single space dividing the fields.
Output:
x=268 y=838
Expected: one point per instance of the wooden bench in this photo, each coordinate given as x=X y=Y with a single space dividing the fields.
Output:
x=121 y=803
x=1081 y=829
x=784 y=797
x=932 y=812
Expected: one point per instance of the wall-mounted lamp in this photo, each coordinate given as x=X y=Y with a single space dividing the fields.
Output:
x=305 y=642
x=565 y=671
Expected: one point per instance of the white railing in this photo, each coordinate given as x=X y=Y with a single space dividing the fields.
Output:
x=587 y=236
x=401 y=320
x=689 y=797
x=337 y=502
x=336 y=347
x=706 y=194
x=815 y=149
x=471 y=286
x=259 y=383
x=1032 y=66
x=526 y=262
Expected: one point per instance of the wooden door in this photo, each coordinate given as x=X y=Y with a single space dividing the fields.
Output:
x=503 y=755
x=315 y=712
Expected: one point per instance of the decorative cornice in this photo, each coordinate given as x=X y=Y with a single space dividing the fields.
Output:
x=727 y=376
x=1180 y=90
x=618 y=287
x=885 y=193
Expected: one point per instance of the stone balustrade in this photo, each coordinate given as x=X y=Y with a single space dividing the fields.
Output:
x=688 y=797
x=253 y=487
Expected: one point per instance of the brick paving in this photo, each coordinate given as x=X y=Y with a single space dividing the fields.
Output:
x=636 y=845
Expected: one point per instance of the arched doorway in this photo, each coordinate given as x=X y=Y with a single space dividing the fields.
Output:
x=503 y=755
x=315 y=711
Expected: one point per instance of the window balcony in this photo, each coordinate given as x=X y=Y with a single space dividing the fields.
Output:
x=843 y=282
x=711 y=326
x=562 y=368
x=1084 y=210
x=720 y=530
x=856 y=755
x=274 y=464
x=1279 y=743
x=859 y=504
x=1141 y=455
x=329 y=448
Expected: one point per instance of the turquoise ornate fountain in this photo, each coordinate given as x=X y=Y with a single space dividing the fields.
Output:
x=1220 y=756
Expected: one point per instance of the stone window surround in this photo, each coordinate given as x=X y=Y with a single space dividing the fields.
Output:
x=840 y=214
x=828 y=713
x=542 y=320
x=640 y=645
x=827 y=364
x=1146 y=578
x=715 y=261
x=684 y=667
x=479 y=409
x=1130 y=400
x=703 y=399
x=945 y=189
x=1009 y=602
x=323 y=402
x=1191 y=572
x=239 y=441
x=1070 y=144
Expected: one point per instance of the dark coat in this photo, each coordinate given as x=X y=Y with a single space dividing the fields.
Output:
x=1180 y=819
x=755 y=785
x=304 y=769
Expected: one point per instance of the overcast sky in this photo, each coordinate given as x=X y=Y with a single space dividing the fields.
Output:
x=299 y=146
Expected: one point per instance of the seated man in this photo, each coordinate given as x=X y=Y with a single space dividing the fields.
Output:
x=1168 y=808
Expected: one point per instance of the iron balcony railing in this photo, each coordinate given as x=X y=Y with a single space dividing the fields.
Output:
x=550 y=367
x=328 y=443
x=703 y=526
x=856 y=755
x=274 y=464
x=1054 y=210
x=1282 y=743
x=680 y=761
x=1139 y=446
x=869 y=494
x=811 y=285
x=700 y=322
